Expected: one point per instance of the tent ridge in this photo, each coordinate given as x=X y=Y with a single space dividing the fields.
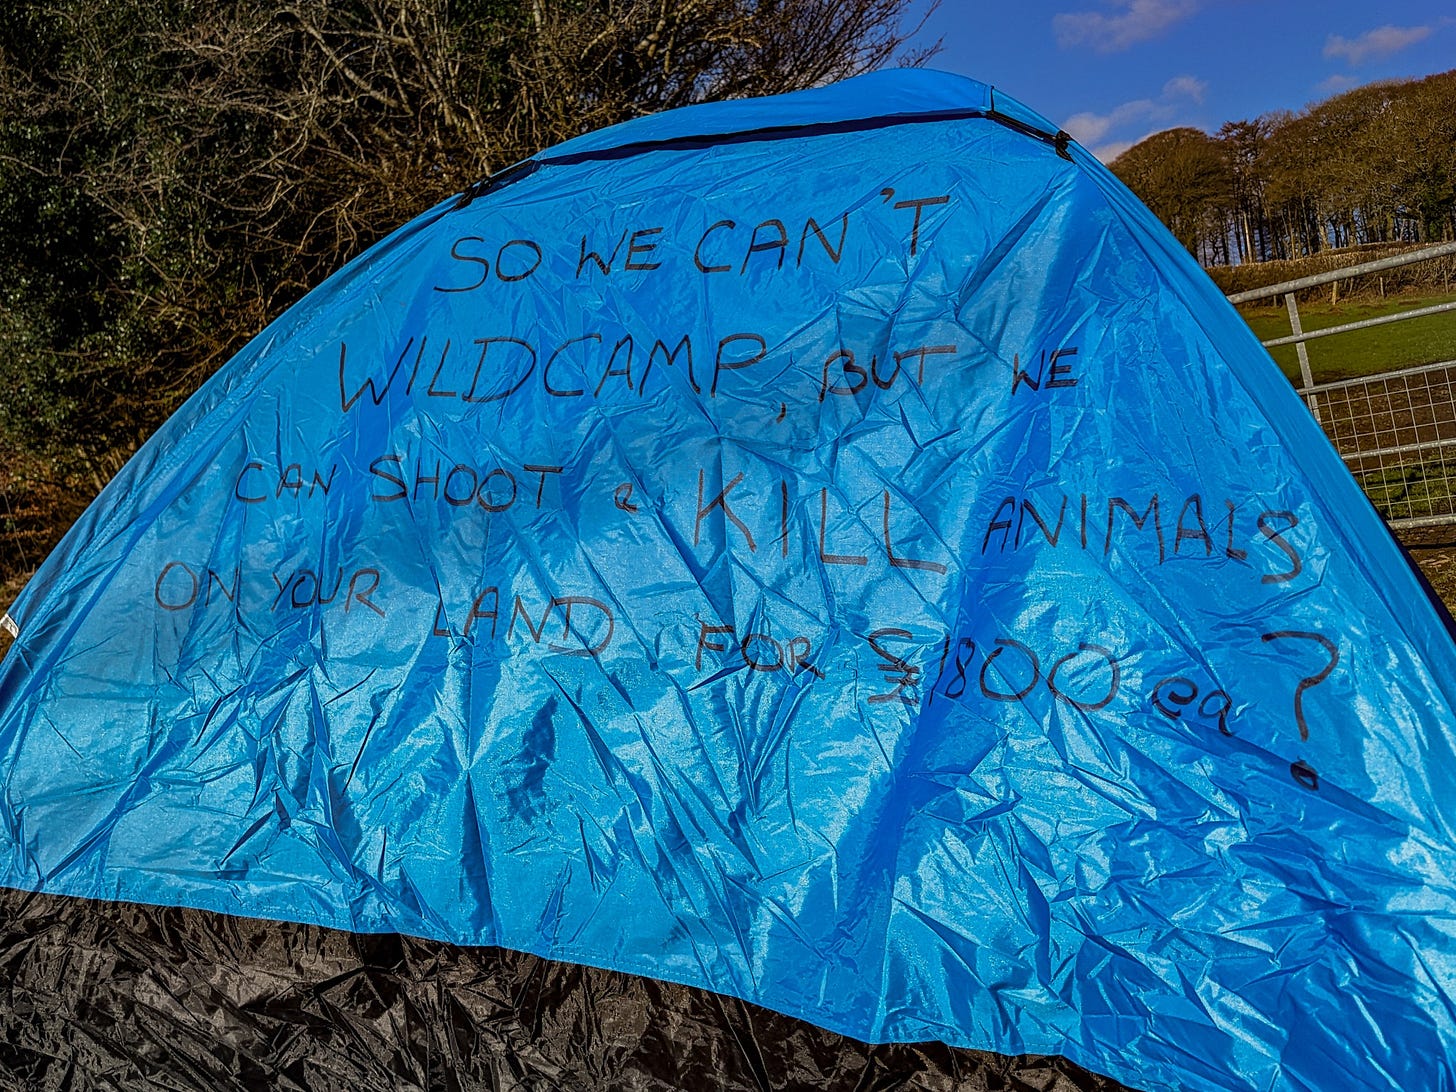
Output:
x=702 y=141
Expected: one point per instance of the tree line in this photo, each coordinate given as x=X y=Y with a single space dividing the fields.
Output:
x=1376 y=164
x=174 y=173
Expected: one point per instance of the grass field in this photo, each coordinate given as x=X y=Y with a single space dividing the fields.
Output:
x=1402 y=344
x=1409 y=491
x=1408 y=488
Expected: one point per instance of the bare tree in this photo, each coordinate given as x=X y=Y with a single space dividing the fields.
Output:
x=216 y=158
x=1184 y=177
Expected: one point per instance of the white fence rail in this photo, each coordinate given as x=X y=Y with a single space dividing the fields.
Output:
x=1396 y=430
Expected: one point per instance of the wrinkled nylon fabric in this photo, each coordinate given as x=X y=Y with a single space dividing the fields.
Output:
x=112 y=997
x=870 y=573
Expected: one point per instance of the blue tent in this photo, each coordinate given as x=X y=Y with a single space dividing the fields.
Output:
x=837 y=550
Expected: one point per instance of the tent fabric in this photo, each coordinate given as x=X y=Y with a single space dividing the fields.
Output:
x=112 y=997
x=837 y=551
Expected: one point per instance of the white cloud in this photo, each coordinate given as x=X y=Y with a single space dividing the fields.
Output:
x=1335 y=84
x=1375 y=44
x=1131 y=22
x=1108 y=152
x=1185 y=87
x=1089 y=129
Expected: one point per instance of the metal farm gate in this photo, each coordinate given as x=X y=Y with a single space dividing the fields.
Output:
x=1395 y=430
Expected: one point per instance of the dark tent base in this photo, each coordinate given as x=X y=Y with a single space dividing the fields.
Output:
x=119 y=996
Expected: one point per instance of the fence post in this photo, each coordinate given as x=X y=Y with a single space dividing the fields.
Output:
x=1305 y=375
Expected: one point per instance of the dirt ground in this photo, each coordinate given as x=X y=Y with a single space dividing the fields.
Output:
x=1438 y=563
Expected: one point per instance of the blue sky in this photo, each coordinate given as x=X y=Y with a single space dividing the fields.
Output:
x=1113 y=71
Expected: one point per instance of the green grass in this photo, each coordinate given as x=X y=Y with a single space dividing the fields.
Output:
x=1408 y=492
x=1399 y=345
